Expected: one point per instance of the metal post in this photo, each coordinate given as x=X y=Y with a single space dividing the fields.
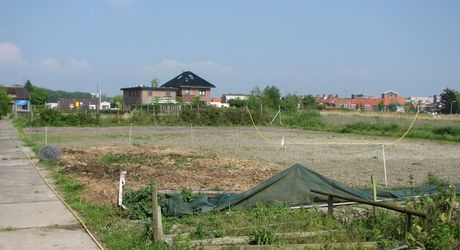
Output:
x=384 y=165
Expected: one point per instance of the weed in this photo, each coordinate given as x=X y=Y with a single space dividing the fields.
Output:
x=264 y=236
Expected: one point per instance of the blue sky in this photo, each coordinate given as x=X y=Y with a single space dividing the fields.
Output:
x=303 y=47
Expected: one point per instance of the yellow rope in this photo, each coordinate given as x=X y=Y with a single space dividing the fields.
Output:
x=257 y=129
x=65 y=204
x=334 y=143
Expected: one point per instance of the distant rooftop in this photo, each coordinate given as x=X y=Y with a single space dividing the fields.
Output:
x=187 y=79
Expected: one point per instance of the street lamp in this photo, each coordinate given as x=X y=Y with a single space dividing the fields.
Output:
x=451 y=105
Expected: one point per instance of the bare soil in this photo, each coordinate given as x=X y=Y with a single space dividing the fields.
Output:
x=173 y=169
x=238 y=158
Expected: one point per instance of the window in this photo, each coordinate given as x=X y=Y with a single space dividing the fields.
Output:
x=150 y=92
x=187 y=91
x=202 y=92
x=168 y=93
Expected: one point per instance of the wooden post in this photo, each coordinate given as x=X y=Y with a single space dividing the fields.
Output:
x=191 y=135
x=407 y=226
x=451 y=202
x=374 y=194
x=330 y=206
x=130 y=133
x=157 y=232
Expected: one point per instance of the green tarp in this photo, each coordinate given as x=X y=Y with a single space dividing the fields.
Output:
x=290 y=187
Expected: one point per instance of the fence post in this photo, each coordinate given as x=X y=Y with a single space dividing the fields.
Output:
x=407 y=226
x=330 y=206
x=46 y=135
x=130 y=133
x=157 y=232
x=374 y=194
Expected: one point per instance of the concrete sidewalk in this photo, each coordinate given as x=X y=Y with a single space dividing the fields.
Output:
x=31 y=216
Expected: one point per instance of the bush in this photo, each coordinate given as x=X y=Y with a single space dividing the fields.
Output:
x=51 y=117
x=448 y=130
x=305 y=119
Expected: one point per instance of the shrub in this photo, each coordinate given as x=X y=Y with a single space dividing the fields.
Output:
x=448 y=130
x=264 y=236
x=51 y=117
x=305 y=119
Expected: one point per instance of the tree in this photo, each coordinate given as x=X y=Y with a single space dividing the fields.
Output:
x=155 y=82
x=237 y=103
x=381 y=106
x=29 y=86
x=290 y=103
x=271 y=97
x=392 y=107
x=448 y=101
x=309 y=102
x=4 y=101
x=38 y=96
x=117 y=101
x=196 y=101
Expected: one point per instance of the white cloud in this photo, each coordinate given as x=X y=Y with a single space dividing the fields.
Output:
x=49 y=64
x=10 y=54
x=171 y=66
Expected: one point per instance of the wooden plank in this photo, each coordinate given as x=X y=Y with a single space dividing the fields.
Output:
x=347 y=245
x=377 y=204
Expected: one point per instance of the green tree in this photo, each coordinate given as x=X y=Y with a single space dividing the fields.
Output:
x=448 y=101
x=392 y=107
x=38 y=96
x=290 y=103
x=155 y=82
x=117 y=101
x=4 y=101
x=271 y=97
x=29 y=86
x=309 y=102
x=381 y=106
x=196 y=101
x=237 y=103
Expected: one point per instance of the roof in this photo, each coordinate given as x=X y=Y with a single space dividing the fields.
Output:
x=187 y=79
x=149 y=88
x=19 y=92
x=237 y=94
x=216 y=100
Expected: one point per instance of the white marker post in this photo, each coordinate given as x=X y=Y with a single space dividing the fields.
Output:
x=120 y=188
x=284 y=148
x=384 y=165
x=191 y=135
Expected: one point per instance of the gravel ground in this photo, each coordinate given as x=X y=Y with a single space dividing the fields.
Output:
x=347 y=158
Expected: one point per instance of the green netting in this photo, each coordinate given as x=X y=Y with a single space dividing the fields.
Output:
x=290 y=187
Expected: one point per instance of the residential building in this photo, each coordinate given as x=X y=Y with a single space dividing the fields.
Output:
x=146 y=95
x=362 y=103
x=20 y=97
x=230 y=96
x=190 y=86
x=217 y=102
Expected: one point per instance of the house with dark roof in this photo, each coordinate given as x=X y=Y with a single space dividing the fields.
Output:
x=20 y=97
x=189 y=86
x=185 y=86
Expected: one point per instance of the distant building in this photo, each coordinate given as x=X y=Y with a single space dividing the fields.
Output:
x=148 y=95
x=230 y=96
x=20 y=97
x=187 y=86
x=217 y=102
x=79 y=103
x=190 y=86
x=361 y=102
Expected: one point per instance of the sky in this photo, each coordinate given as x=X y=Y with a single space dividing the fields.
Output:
x=302 y=47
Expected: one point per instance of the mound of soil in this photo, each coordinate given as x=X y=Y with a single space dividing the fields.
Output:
x=173 y=169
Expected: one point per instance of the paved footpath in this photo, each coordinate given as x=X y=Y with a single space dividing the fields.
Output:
x=31 y=216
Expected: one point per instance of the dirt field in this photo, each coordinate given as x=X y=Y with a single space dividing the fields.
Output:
x=247 y=153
